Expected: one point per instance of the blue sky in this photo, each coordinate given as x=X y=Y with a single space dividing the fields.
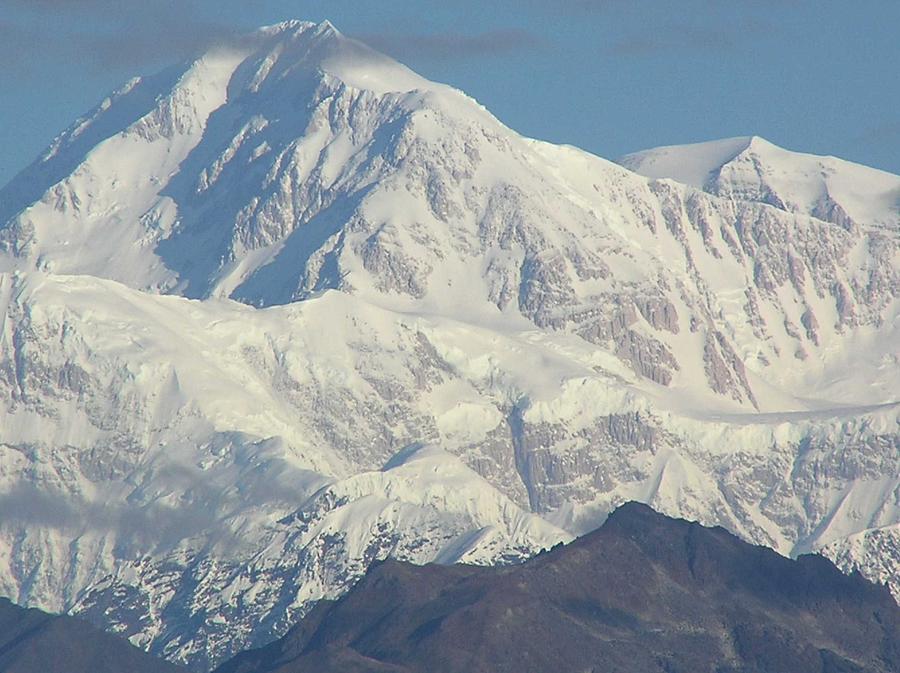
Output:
x=611 y=76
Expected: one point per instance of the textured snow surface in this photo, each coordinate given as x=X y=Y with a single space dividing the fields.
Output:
x=753 y=168
x=291 y=308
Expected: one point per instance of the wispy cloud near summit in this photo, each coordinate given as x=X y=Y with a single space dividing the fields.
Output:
x=696 y=36
x=105 y=35
x=453 y=46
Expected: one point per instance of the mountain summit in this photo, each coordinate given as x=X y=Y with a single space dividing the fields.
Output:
x=193 y=180
x=290 y=308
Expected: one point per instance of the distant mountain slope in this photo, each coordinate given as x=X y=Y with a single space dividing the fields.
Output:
x=305 y=161
x=289 y=308
x=32 y=641
x=754 y=169
x=643 y=594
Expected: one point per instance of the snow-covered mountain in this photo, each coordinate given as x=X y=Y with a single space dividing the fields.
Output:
x=754 y=169
x=289 y=308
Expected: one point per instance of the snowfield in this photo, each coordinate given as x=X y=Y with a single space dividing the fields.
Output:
x=290 y=308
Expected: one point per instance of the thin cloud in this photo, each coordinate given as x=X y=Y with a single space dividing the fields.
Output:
x=167 y=41
x=880 y=133
x=15 y=43
x=576 y=6
x=110 y=35
x=95 y=7
x=675 y=39
x=453 y=46
x=26 y=505
x=56 y=4
x=703 y=25
x=686 y=37
x=105 y=35
x=649 y=6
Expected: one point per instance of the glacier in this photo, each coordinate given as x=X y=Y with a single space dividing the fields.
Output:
x=290 y=308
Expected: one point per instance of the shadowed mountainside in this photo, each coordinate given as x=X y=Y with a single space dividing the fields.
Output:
x=645 y=593
x=32 y=641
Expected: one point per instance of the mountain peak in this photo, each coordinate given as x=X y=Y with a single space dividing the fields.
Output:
x=297 y=28
x=640 y=522
x=292 y=47
x=632 y=513
x=757 y=142
x=327 y=27
x=691 y=164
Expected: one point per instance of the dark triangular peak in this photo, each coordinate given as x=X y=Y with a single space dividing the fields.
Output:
x=713 y=557
x=32 y=641
x=644 y=593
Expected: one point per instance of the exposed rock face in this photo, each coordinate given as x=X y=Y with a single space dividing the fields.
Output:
x=277 y=171
x=409 y=273
x=642 y=594
x=871 y=553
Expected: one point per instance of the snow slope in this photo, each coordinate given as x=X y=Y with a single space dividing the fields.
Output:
x=752 y=168
x=284 y=310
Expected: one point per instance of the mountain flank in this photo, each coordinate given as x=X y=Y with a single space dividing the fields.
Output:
x=643 y=594
x=32 y=641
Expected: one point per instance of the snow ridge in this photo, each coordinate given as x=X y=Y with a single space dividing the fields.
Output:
x=291 y=308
